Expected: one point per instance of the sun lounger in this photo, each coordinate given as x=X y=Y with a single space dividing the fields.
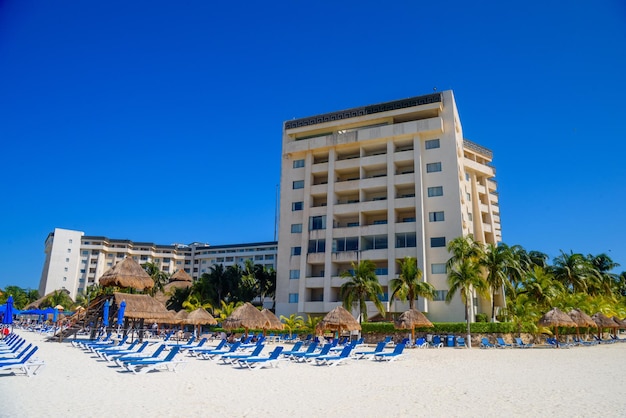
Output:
x=23 y=356
x=166 y=363
x=94 y=347
x=216 y=354
x=197 y=350
x=84 y=343
x=501 y=344
x=420 y=343
x=17 y=355
x=333 y=359
x=295 y=349
x=25 y=364
x=484 y=343
x=121 y=361
x=235 y=357
x=309 y=356
x=521 y=344
x=261 y=362
x=460 y=342
x=192 y=346
x=436 y=342
x=113 y=354
x=99 y=351
x=380 y=347
x=14 y=349
x=293 y=354
x=390 y=356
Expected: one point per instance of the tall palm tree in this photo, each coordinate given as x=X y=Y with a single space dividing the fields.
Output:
x=159 y=277
x=540 y=286
x=408 y=284
x=500 y=263
x=363 y=285
x=465 y=277
x=462 y=248
x=574 y=271
x=194 y=301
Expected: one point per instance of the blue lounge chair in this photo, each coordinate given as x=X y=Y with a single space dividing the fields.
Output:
x=295 y=349
x=333 y=359
x=121 y=361
x=521 y=344
x=311 y=349
x=16 y=355
x=113 y=354
x=234 y=357
x=380 y=347
x=216 y=354
x=501 y=344
x=25 y=364
x=436 y=342
x=94 y=347
x=200 y=343
x=484 y=343
x=421 y=343
x=197 y=350
x=390 y=356
x=13 y=350
x=460 y=342
x=309 y=356
x=166 y=363
x=260 y=362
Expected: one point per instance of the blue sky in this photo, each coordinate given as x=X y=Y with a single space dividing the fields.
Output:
x=161 y=122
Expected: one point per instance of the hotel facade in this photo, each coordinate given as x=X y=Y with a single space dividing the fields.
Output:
x=380 y=182
x=75 y=261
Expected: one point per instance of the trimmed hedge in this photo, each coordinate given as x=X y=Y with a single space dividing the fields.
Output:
x=443 y=328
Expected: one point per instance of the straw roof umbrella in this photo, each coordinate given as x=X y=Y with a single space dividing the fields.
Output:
x=412 y=319
x=556 y=318
x=179 y=280
x=273 y=321
x=246 y=316
x=581 y=319
x=620 y=322
x=603 y=321
x=200 y=317
x=181 y=317
x=127 y=274
x=337 y=320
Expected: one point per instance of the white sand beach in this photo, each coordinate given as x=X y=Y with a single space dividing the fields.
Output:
x=581 y=381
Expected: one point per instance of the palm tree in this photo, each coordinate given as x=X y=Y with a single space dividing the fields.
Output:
x=540 y=286
x=574 y=271
x=292 y=322
x=363 y=285
x=408 y=284
x=178 y=298
x=311 y=322
x=225 y=310
x=194 y=301
x=465 y=277
x=159 y=277
x=500 y=264
x=463 y=247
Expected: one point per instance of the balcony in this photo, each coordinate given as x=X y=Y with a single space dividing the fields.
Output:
x=315 y=258
x=315 y=282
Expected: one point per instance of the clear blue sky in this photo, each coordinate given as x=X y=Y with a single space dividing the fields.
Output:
x=161 y=121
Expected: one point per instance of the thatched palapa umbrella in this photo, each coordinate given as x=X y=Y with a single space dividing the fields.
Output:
x=582 y=320
x=603 y=321
x=412 y=319
x=141 y=308
x=556 y=318
x=179 y=280
x=127 y=274
x=339 y=319
x=273 y=321
x=246 y=316
x=200 y=317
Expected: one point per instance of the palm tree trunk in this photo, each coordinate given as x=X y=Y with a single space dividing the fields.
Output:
x=468 y=340
x=493 y=307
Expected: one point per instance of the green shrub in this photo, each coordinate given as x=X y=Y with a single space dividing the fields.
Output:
x=482 y=317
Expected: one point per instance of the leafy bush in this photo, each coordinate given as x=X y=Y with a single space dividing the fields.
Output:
x=482 y=317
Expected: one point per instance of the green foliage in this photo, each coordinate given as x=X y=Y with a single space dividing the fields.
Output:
x=482 y=317
x=292 y=323
x=362 y=285
x=21 y=297
x=443 y=328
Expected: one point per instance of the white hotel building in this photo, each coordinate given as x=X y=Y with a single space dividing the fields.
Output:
x=380 y=182
x=75 y=261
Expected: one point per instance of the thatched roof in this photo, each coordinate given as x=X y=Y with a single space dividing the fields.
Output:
x=142 y=307
x=246 y=316
x=181 y=317
x=274 y=323
x=581 y=318
x=36 y=304
x=412 y=319
x=621 y=323
x=181 y=276
x=170 y=288
x=604 y=321
x=556 y=318
x=200 y=317
x=127 y=274
x=339 y=319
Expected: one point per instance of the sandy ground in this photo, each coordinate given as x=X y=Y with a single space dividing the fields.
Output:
x=581 y=381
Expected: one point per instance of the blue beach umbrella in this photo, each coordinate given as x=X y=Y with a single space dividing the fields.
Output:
x=120 y=313
x=8 y=312
x=105 y=314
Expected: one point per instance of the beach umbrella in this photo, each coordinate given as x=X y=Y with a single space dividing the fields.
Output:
x=245 y=316
x=8 y=311
x=602 y=321
x=620 y=322
x=127 y=274
x=200 y=317
x=581 y=319
x=338 y=319
x=556 y=318
x=105 y=313
x=412 y=319
x=273 y=321
x=120 y=313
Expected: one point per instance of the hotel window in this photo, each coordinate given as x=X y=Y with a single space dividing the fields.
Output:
x=432 y=143
x=296 y=228
x=67 y=260
x=345 y=244
x=438 y=242
x=440 y=295
x=469 y=216
x=436 y=216
x=295 y=206
x=70 y=240
x=298 y=184
x=317 y=222
x=438 y=268
x=469 y=197
x=293 y=298
x=269 y=256
x=85 y=252
x=433 y=167
x=406 y=240
x=317 y=246
x=435 y=191
x=298 y=163
x=296 y=250
x=69 y=250
x=294 y=274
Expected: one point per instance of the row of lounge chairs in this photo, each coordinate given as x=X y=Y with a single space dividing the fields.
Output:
x=16 y=356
